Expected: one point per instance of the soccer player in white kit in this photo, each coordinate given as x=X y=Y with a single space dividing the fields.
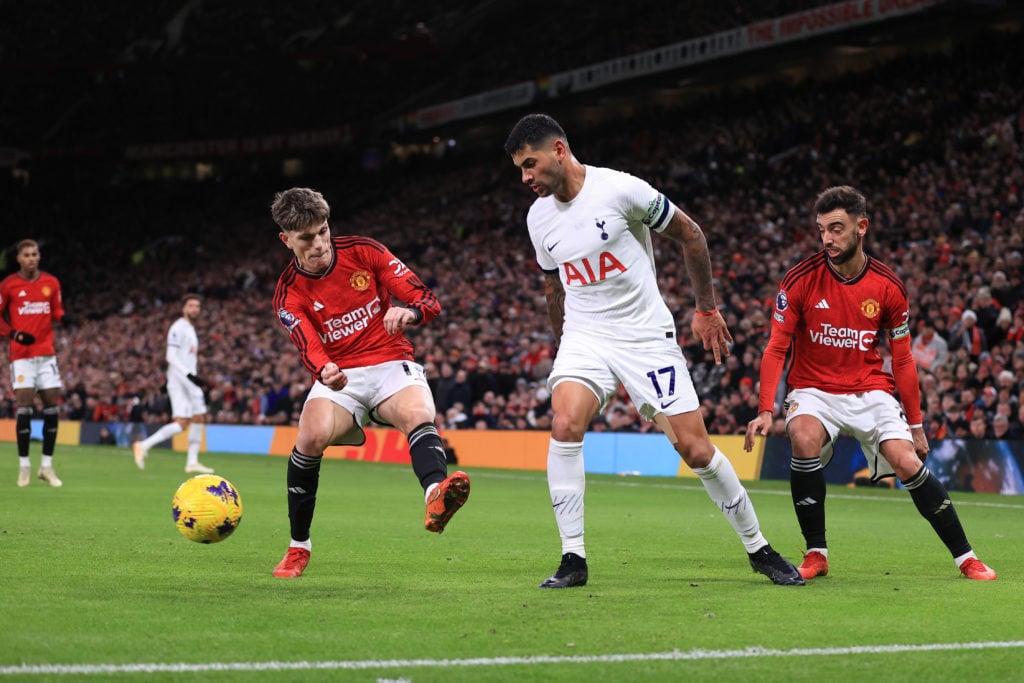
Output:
x=185 y=389
x=591 y=229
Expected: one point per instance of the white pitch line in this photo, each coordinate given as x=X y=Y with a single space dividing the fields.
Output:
x=674 y=656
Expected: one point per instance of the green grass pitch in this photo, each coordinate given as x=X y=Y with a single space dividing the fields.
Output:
x=98 y=584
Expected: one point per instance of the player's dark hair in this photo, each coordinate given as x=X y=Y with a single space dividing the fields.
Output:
x=533 y=130
x=189 y=296
x=841 y=197
x=26 y=244
x=299 y=208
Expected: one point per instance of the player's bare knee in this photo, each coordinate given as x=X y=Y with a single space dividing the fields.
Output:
x=312 y=441
x=695 y=453
x=567 y=429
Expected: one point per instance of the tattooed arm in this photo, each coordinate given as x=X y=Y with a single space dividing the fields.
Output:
x=686 y=232
x=554 y=292
x=708 y=325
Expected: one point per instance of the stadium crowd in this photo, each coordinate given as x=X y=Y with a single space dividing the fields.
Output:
x=935 y=143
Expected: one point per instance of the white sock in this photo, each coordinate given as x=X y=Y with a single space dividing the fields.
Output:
x=963 y=558
x=430 y=489
x=47 y=461
x=823 y=551
x=720 y=481
x=24 y=462
x=307 y=544
x=161 y=435
x=567 y=482
x=195 y=440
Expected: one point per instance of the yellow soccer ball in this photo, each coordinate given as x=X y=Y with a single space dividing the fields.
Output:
x=207 y=508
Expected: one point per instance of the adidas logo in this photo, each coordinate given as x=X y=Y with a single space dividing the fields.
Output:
x=945 y=504
x=822 y=304
x=22 y=293
x=807 y=501
x=317 y=306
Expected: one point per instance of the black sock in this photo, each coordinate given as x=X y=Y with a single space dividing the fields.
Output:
x=807 y=484
x=49 y=429
x=303 y=481
x=23 y=428
x=932 y=501
x=429 y=461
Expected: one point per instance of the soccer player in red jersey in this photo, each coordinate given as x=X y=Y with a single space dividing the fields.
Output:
x=335 y=301
x=29 y=305
x=832 y=309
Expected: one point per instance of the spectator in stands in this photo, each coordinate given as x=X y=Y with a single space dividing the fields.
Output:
x=929 y=348
x=967 y=335
x=1000 y=427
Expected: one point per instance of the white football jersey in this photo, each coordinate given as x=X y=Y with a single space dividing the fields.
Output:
x=182 y=350
x=600 y=244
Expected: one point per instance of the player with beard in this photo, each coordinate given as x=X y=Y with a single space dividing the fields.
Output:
x=832 y=309
x=591 y=230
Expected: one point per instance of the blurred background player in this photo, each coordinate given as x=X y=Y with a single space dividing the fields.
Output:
x=591 y=231
x=832 y=309
x=335 y=301
x=184 y=388
x=30 y=303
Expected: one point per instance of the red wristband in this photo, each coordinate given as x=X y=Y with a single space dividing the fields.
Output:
x=707 y=314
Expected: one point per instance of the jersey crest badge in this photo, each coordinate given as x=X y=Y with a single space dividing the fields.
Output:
x=360 y=280
x=46 y=291
x=870 y=308
x=287 y=319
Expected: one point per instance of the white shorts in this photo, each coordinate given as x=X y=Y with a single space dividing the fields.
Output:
x=653 y=372
x=39 y=373
x=871 y=418
x=367 y=388
x=186 y=399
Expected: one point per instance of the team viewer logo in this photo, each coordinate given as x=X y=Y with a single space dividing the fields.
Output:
x=870 y=308
x=360 y=281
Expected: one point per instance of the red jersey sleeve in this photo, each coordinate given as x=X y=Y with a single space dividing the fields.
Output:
x=406 y=286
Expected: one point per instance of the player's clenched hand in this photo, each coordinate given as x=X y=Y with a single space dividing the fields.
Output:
x=25 y=338
x=333 y=377
x=398 y=318
x=713 y=332
x=759 y=425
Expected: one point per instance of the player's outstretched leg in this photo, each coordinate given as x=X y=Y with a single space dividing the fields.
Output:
x=444 y=500
x=572 y=572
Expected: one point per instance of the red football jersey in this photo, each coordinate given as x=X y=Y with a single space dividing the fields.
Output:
x=836 y=325
x=30 y=306
x=338 y=315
